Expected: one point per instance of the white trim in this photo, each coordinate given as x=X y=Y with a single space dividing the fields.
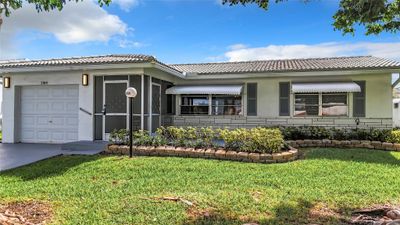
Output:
x=318 y=73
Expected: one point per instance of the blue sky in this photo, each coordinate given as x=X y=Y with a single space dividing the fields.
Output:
x=184 y=31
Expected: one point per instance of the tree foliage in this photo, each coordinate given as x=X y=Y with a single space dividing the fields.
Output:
x=375 y=15
x=7 y=6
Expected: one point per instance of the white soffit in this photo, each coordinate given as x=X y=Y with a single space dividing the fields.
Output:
x=329 y=87
x=206 y=89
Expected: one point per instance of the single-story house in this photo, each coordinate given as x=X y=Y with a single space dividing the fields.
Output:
x=71 y=99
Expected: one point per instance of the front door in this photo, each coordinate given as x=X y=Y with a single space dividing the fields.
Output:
x=115 y=110
x=156 y=107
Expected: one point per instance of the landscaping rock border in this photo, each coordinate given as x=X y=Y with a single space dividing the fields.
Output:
x=387 y=146
x=222 y=154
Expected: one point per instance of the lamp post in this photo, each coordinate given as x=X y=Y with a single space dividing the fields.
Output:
x=130 y=93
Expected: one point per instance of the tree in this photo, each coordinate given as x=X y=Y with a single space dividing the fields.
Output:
x=6 y=6
x=375 y=15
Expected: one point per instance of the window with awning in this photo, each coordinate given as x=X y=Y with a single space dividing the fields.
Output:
x=205 y=89
x=322 y=99
x=328 y=87
x=209 y=99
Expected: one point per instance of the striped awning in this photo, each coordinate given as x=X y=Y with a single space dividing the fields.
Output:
x=205 y=89
x=329 y=87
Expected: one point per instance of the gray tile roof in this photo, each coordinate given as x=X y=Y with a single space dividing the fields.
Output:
x=102 y=59
x=290 y=65
x=286 y=65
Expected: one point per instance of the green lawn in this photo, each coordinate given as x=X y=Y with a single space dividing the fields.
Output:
x=113 y=190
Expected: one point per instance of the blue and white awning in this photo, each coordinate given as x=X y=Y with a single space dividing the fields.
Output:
x=329 y=87
x=205 y=89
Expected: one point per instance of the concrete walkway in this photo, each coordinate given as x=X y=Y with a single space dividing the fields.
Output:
x=16 y=155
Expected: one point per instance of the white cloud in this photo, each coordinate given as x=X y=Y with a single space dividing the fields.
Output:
x=240 y=52
x=237 y=47
x=77 y=23
x=124 y=43
x=126 y=5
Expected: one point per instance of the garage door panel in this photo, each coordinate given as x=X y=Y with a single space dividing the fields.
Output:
x=28 y=121
x=49 y=114
x=27 y=106
x=72 y=92
x=71 y=136
x=42 y=121
x=71 y=106
x=41 y=107
x=43 y=135
x=28 y=134
x=58 y=107
x=42 y=92
x=71 y=121
x=57 y=136
x=58 y=121
x=28 y=93
x=57 y=93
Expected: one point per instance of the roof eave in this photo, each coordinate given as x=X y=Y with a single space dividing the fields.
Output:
x=102 y=66
x=200 y=76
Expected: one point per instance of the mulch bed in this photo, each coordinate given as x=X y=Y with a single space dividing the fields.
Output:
x=26 y=213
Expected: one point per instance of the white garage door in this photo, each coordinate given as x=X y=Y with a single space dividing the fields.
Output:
x=49 y=114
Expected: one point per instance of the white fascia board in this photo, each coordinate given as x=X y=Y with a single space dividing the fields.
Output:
x=91 y=67
x=168 y=70
x=286 y=74
x=74 y=67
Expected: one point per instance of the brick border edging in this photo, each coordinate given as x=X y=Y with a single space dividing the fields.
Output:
x=221 y=154
x=378 y=145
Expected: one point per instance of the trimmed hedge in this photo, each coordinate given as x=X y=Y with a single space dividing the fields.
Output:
x=319 y=133
x=258 y=140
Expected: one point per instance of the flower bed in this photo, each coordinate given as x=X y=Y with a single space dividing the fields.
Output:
x=379 y=145
x=261 y=145
x=256 y=140
x=321 y=133
x=222 y=154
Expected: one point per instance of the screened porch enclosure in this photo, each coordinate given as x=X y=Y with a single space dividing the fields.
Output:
x=112 y=106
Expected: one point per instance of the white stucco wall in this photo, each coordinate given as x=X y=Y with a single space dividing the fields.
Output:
x=10 y=112
x=378 y=92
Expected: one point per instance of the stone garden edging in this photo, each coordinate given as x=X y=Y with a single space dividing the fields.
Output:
x=378 y=145
x=221 y=154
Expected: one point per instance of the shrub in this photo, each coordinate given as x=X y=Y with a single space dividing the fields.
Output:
x=141 y=137
x=394 y=136
x=188 y=137
x=262 y=140
x=119 y=137
x=318 y=133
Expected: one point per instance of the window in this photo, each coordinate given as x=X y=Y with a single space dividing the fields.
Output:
x=334 y=104
x=306 y=105
x=220 y=105
x=396 y=105
x=226 y=105
x=194 y=105
x=322 y=104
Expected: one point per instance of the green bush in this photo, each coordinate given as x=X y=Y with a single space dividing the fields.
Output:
x=394 y=136
x=262 y=140
x=192 y=137
x=319 y=133
x=121 y=137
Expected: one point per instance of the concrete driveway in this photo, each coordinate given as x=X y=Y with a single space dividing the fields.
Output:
x=16 y=155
